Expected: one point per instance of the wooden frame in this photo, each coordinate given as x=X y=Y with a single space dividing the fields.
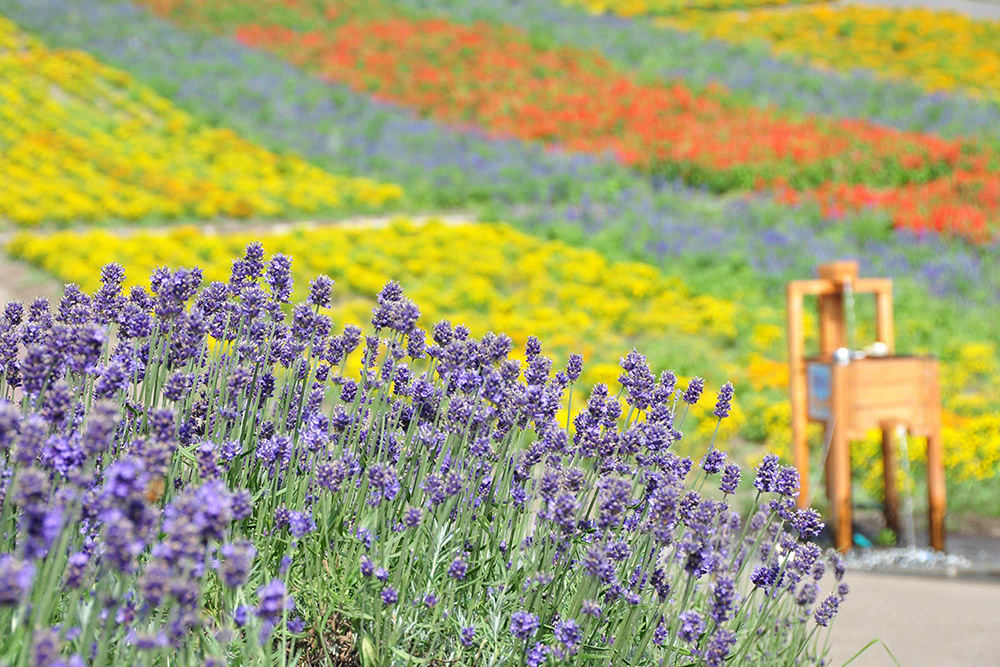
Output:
x=864 y=394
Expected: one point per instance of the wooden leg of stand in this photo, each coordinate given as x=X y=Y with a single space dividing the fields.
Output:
x=936 y=491
x=840 y=463
x=797 y=392
x=891 y=468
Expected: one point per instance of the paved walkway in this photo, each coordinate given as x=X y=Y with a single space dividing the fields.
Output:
x=925 y=622
x=977 y=9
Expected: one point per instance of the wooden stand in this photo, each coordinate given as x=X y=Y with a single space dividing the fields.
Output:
x=852 y=396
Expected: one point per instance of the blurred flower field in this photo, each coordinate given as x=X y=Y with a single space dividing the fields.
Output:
x=654 y=7
x=606 y=162
x=938 y=50
x=438 y=332
x=84 y=142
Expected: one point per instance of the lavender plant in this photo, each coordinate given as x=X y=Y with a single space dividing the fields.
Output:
x=191 y=476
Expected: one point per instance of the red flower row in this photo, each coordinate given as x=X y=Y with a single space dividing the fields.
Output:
x=499 y=79
x=496 y=78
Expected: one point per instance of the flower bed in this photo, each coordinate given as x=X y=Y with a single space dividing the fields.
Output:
x=490 y=277
x=82 y=141
x=656 y=7
x=938 y=50
x=194 y=478
x=501 y=80
x=494 y=278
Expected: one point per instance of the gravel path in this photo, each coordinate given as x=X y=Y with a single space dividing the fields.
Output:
x=924 y=622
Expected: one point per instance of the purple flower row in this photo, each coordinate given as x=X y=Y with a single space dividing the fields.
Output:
x=194 y=458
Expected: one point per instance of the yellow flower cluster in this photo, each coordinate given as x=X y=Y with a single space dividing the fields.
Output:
x=494 y=278
x=487 y=276
x=80 y=141
x=654 y=7
x=937 y=50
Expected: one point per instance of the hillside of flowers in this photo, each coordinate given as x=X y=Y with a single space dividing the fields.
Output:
x=510 y=86
x=106 y=148
x=718 y=253
x=399 y=332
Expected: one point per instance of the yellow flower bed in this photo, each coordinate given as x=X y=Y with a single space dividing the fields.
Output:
x=494 y=278
x=80 y=141
x=488 y=276
x=937 y=50
x=645 y=7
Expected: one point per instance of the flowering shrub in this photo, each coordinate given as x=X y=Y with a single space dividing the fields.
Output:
x=939 y=50
x=82 y=141
x=188 y=471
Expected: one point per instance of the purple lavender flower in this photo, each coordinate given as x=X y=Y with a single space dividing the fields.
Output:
x=638 y=380
x=723 y=599
x=574 y=367
x=412 y=517
x=466 y=635
x=458 y=568
x=569 y=633
x=837 y=562
x=764 y=576
x=693 y=391
x=46 y=647
x=590 y=608
x=564 y=510
x=301 y=523
x=532 y=348
x=76 y=568
x=714 y=461
x=730 y=479
x=614 y=497
x=389 y=596
x=806 y=595
x=279 y=277
x=767 y=471
x=718 y=648
x=807 y=523
x=535 y=657
x=15 y=579
x=723 y=403
x=272 y=601
x=786 y=482
x=237 y=559
x=10 y=424
x=827 y=610
x=101 y=427
x=523 y=625
x=320 y=290
x=242 y=504
x=691 y=626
